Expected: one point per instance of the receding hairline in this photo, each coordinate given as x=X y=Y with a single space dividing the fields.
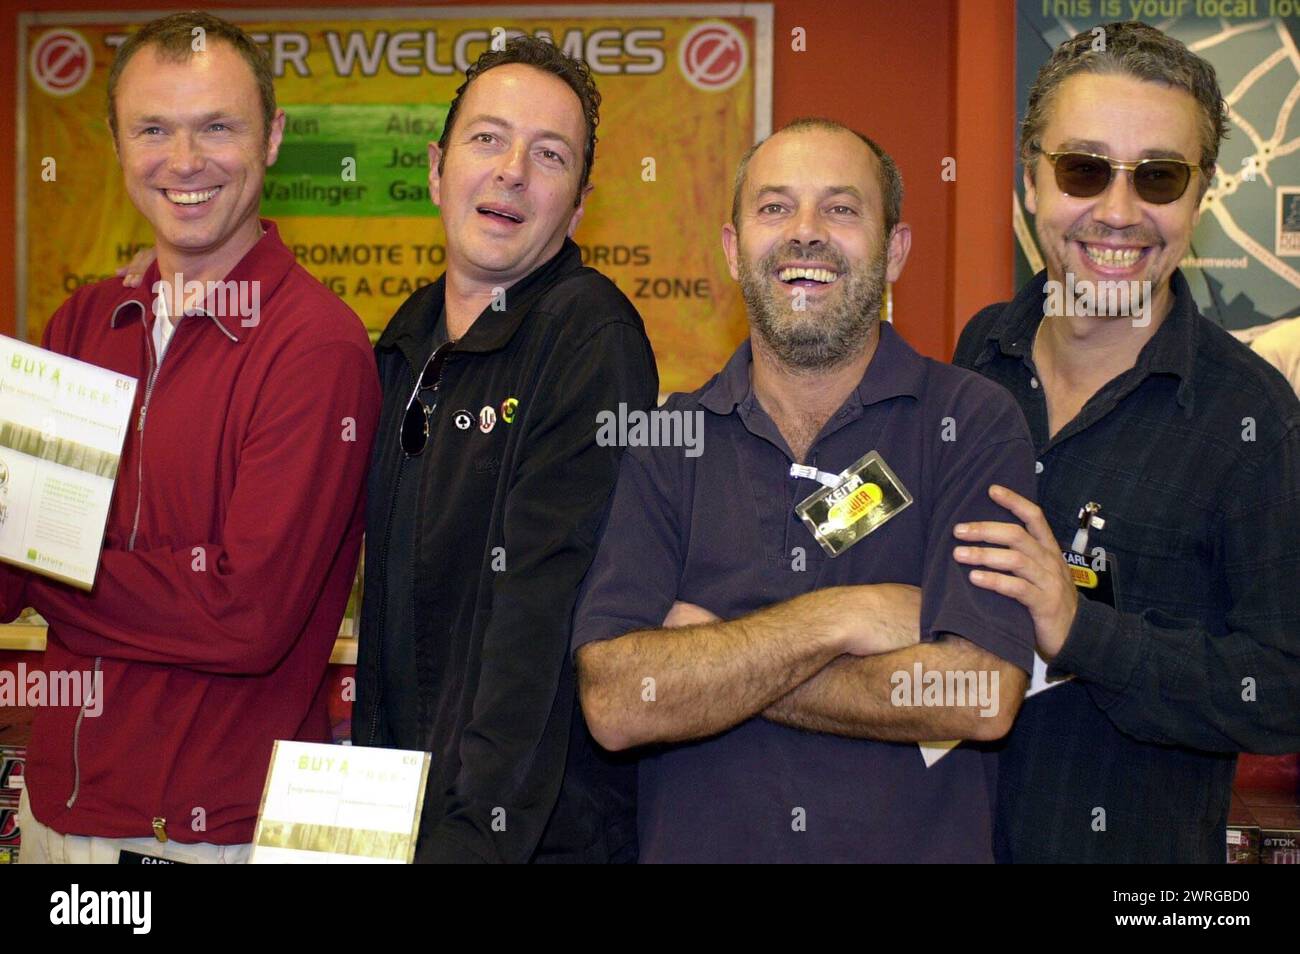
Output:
x=164 y=55
x=875 y=169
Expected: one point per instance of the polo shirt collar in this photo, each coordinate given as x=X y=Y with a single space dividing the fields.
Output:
x=267 y=262
x=895 y=370
x=1171 y=350
x=731 y=385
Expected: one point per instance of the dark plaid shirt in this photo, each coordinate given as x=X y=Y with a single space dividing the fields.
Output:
x=1194 y=456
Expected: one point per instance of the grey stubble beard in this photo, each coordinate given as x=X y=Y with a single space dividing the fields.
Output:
x=818 y=339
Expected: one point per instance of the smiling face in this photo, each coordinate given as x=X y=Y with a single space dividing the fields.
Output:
x=810 y=254
x=1116 y=236
x=194 y=152
x=511 y=173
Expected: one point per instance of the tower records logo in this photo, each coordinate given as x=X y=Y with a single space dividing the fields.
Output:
x=713 y=56
x=61 y=62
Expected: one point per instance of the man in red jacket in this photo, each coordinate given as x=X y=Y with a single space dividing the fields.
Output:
x=237 y=517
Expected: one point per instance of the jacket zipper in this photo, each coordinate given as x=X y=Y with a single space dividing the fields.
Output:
x=154 y=368
x=383 y=612
x=144 y=407
x=76 y=737
x=383 y=604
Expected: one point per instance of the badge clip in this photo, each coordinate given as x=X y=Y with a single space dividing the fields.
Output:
x=1088 y=520
x=812 y=473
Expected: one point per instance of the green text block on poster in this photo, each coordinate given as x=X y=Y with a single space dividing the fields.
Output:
x=354 y=160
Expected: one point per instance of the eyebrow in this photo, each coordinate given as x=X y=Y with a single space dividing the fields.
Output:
x=1101 y=149
x=826 y=193
x=202 y=120
x=506 y=124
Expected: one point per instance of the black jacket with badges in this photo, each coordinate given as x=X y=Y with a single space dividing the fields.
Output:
x=509 y=505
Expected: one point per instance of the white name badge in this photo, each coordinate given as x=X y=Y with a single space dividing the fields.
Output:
x=332 y=804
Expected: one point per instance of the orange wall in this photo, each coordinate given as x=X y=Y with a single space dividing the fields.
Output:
x=928 y=80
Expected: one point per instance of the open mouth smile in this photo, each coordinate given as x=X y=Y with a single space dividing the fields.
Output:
x=501 y=213
x=1115 y=258
x=196 y=197
x=803 y=276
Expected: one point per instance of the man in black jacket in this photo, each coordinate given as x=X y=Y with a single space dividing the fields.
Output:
x=1169 y=474
x=488 y=484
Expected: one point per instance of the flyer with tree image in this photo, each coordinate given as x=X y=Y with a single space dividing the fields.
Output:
x=62 y=426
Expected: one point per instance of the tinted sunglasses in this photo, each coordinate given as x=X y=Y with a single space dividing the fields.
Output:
x=1085 y=174
x=415 y=422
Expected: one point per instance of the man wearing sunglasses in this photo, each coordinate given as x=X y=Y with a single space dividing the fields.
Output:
x=1169 y=479
x=487 y=484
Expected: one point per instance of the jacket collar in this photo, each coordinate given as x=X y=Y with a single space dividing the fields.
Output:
x=895 y=370
x=492 y=330
x=1171 y=350
x=267 y=263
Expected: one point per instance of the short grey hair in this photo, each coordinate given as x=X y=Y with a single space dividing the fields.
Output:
x=891 y=180
x=1142 y=52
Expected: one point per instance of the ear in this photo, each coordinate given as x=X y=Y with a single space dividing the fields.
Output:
x=576 y=217
x=435 y=180
x=731 y=249
x=1031 y=191
x=273 y=140
x=900 y=244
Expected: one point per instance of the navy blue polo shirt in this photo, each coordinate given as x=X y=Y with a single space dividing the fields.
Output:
x=719 y=529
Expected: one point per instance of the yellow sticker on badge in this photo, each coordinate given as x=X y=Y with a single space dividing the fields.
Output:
x=855 y=506
x=1084 y=577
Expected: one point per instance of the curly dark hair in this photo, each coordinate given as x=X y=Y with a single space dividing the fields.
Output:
x=546 y=56
x=1131 y=49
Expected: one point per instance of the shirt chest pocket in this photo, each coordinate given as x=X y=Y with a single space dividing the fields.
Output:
x=1164 y=556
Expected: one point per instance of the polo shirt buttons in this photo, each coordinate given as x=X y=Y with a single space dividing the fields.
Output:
x=1038 y=467
x=1033 y=382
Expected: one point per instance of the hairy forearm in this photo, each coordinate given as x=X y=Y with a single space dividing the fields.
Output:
x=878 y=697
x=670 y=685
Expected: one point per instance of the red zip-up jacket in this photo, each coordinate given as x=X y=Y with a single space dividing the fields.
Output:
x=230 y=550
